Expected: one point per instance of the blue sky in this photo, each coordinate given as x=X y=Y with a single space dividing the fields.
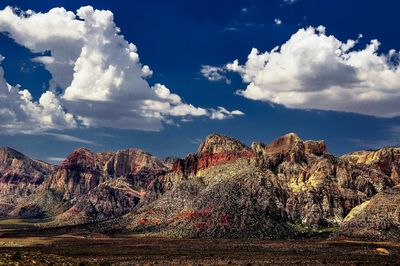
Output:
x=176 y=38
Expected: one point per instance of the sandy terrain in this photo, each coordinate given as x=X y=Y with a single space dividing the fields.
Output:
x=96 y=249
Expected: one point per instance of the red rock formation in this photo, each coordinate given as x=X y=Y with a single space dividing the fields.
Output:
x=315 y=147
x=84 y=170
x=215 y=150
x=208 y=159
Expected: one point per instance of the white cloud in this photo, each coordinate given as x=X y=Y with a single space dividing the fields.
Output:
x=102 y=80
x=19 y=113
x=221 y=113
x=313 y=70
x=213 y=73
x=57 y=31
x=278 y=21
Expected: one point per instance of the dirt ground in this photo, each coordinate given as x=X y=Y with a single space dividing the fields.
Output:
x=96 y=249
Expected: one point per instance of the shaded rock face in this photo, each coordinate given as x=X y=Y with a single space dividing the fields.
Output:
x=16 y=168
x=84 y=170
x=377 y=219
x=315 y=147
x=85 y=182
x=20 y=176
x=110 y=199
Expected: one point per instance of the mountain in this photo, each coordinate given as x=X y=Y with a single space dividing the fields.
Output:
x=20 y=176
x=225 y=189
x=91 y=186
x=377 y=219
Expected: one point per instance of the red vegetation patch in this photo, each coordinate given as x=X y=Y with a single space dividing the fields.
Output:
x=194 y=214
x=224 y=219
x=151 y=212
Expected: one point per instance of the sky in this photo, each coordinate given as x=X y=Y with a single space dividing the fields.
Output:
x=162 y=75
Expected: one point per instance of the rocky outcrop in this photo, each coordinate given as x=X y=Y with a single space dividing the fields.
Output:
x=377 y=219
x=20 y=176
x=17 y=168
x=110 y=199
x=387 y=160
x=84 y=170
x=215 y=150
x=85 y=182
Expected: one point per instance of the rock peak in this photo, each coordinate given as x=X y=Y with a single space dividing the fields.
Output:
x=284 y=143
x=291 y=136
x=81 y=150
x=80 y=159
x=218 y=143
x=7 y=151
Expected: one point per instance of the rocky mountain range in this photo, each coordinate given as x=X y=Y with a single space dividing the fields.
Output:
x=226 y=189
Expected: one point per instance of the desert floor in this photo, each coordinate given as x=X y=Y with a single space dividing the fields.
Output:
x=22 y=248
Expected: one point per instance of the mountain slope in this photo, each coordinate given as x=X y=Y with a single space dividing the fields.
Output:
x=377 y=219
x=227 y=189
x=20 y=176
x=96 y=186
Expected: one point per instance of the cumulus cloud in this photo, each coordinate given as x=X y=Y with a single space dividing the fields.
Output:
x=99 y=73
x=221 y=113
x=213 y=73
x=314 y=70
x=19 y=113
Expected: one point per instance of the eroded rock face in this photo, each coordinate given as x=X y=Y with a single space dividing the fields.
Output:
x=110 y=199
x=215 y=150
x=386 y=160
x=20 y=176
x=16 y=168
x=80 y=172
x=84 y=170
x=377 y=219
x=315 y=147
x=87 y=178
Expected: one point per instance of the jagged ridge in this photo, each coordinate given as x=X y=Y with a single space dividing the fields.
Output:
x=224 y=189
